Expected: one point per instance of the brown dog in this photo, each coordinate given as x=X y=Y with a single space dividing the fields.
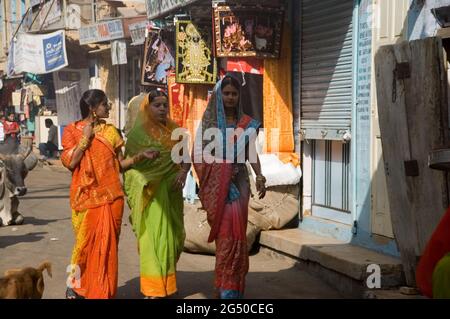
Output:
x=26 y=283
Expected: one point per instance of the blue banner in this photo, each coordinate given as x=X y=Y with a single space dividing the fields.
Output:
x=54 y=52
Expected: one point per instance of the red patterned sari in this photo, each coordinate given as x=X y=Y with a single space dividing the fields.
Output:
x=225 y=198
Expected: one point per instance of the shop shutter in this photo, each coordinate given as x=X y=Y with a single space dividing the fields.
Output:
x=296 y=60
x=326 y=49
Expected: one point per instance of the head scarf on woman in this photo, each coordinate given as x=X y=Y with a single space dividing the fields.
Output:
x=147 y=133
x=216 y=187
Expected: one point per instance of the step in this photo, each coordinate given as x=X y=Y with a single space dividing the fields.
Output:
x=339 y=261
x=390 y=294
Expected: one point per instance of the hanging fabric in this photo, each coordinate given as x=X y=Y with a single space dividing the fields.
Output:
x=278 y=103
x=175 y=93
x=247 y=65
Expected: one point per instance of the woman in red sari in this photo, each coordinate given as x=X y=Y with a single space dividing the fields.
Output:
x=224 y=184
x=92 y=151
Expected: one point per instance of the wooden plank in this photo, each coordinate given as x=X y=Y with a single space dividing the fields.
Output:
x=413 y=121
x=444 y=33
x=426 y=102
x=394 y=132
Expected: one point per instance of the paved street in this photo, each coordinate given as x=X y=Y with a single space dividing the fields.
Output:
x=47 y=235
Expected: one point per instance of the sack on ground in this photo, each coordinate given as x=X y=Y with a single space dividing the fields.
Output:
x=276 y=209
x=197 y=231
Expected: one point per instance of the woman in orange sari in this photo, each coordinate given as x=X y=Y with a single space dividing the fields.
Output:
x=92 y=151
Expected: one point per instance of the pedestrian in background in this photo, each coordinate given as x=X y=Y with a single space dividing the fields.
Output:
x=11 y=129
x=48 y=150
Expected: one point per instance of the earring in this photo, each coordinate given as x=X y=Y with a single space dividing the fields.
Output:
x=94 y=114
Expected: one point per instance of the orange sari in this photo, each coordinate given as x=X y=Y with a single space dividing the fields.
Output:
x=97 y=201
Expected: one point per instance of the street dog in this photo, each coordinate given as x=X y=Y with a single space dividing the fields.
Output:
x=26 y=283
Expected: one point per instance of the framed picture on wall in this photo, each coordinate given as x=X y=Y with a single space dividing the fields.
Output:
x=195 y=62
x=242 y=31
x=157 y=62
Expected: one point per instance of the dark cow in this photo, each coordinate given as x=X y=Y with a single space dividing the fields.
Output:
x=13 y=171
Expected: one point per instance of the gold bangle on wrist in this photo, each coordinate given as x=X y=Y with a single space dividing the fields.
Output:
x=83 y=144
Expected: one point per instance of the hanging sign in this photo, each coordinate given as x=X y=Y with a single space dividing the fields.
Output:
x=118 y=52
x=105 y=31
x=137 y=32
x=157 y=8
x=38 y=53
x=50 y=13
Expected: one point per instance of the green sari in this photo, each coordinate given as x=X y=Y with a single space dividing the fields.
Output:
x=156 y=209
x=441 y=279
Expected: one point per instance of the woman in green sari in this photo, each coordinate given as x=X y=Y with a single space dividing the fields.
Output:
x=154 y=190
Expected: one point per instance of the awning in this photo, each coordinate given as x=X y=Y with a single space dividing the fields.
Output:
x=101 y=50
x=159 y=8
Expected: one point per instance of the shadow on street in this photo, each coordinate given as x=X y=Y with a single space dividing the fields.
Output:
x=45 y=197
x=40 y=222
x=49 y=189
x=6 y=241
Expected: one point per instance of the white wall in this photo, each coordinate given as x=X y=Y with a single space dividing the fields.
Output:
x=421 y=21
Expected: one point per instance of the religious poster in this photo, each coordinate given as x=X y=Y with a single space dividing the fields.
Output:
x=248 y=31
x=194 y=59
x=157 y=61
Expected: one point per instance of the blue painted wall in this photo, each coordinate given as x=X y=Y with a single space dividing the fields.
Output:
x=2 y=17
x=23 y=7
x=13 y=18
x=362 y=233
x=361 y=117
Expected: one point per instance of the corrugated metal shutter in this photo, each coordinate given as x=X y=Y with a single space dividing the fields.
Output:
x=326 y=68
x=296 y=36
